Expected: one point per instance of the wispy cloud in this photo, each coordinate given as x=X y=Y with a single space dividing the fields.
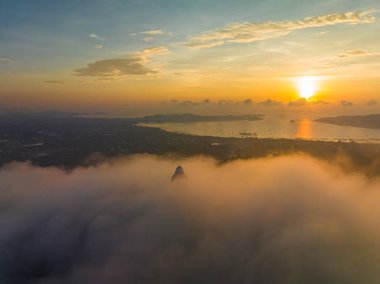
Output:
x=95 y=36
x=132 y=64
x=355 y=53
x=160 y=50
x=6 y=60
x=248 y=32
x=153 y=32
x=99 y=46
x=322 y=33
x=148 y=39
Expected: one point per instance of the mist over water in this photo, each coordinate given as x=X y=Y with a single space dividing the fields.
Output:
x=291 y=219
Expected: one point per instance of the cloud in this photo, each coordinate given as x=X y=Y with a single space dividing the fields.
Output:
x=148 y=39
x=280 y=220
x=95 y=36
x=154 y=51
x=6 y=60
x=322 y=33
x=99 y=46
x=371 y=103
x=248 y=32
x=248 y=102
x=188 y=103
x=225 y=102
x=355 y=53
x=319 y=102
x=153 y=32
x=270 y=103
x=346 y=103
x=298 y=103
x=133 y=64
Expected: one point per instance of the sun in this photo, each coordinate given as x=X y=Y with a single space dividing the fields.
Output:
x=307 y=86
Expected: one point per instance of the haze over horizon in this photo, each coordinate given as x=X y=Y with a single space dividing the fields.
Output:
x=211 y=57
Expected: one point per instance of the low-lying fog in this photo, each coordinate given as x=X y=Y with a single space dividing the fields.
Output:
x=292 y=219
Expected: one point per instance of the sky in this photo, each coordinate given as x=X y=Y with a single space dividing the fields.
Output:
x=214 y=56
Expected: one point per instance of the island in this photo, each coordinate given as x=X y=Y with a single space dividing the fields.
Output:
x=363 y=121
x=189 y=117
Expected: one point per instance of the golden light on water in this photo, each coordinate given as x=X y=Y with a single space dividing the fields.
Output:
x=307 y=86
x=304 y=129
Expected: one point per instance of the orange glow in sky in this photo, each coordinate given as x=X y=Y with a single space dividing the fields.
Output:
x=307 y=86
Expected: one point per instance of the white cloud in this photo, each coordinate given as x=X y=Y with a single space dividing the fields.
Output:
x=6 y=60
x=153 y=32
x=148 y=39
x=95 y=36
x=248 y=32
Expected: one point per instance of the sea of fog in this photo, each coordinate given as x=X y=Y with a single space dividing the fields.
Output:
x=283 y=220
x=274 y=127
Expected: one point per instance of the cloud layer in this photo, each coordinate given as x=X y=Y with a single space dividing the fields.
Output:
x=250 y=32
x=282 y=220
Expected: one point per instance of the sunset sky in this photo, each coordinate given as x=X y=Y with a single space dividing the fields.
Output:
x=214 y=56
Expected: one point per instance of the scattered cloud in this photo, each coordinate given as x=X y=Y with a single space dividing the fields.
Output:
x=153 y=32
x=346 y=103
x=371 y=103
x=99 y=46
x=132 y=64
x=248 y=102
x=298 y=103
x=270 y=103
x=95 y=36
x=189 y=103
x=319 y=102
x=225 y=102
x=248 y=32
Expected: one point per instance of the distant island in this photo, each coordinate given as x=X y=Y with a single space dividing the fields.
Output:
x=363 y=121
x=189 y=117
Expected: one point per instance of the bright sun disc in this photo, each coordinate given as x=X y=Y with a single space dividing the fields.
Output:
x=307 y=86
